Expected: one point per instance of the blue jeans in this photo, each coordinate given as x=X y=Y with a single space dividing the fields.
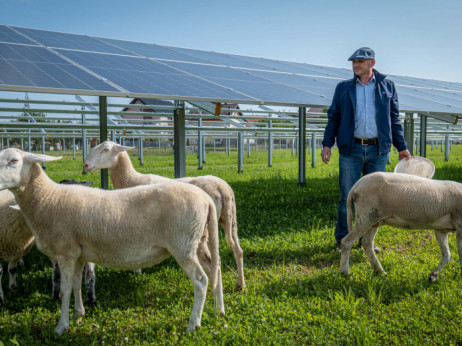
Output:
x=365 y=160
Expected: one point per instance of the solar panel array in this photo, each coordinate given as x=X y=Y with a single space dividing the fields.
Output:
x=46 y=61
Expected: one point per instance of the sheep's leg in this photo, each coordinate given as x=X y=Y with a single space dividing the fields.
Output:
x=347 y=243
x=198 y=277
x=90 y=276
x=230 y=227
x=459 y=242
x=55 y=280
x=442 y=238
x=79 y=310
x=67 y=270
x=368 y=242
x=205 y=260
x=2 y=300
x=12 y=271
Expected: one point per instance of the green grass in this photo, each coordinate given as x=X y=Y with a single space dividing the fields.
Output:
x=295 y=292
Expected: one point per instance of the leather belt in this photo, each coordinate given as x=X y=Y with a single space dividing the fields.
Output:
x=366 y=141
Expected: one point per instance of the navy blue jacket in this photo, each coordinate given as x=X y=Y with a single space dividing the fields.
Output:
x=341 y=116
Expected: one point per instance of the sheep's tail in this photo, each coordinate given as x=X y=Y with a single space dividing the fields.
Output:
x=213 y=244
x=350 y=201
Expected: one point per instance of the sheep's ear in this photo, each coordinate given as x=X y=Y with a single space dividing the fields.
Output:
x=40 y=158
x=120 y=148
x=15 y=207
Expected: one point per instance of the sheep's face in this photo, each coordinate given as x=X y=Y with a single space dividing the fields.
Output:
x=15 y=165
x=11 y=163
x=104 y=155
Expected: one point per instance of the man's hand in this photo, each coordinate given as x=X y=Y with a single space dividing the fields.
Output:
x=325 y=155
x=404 y=154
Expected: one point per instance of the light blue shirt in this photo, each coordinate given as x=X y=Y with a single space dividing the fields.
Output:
x=365 y=119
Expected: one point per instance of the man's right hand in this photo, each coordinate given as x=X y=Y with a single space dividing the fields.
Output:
x=325 y=154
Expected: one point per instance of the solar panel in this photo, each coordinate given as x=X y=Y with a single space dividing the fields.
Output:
x=309 y=84
x=37 y=67
x=142 y=76
x=9 y=36
x=132 y=68
x=70 y=41
x=154 y=51
x=250 y=84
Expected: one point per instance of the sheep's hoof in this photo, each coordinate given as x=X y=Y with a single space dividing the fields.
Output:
x=345 y=273
x=241 y=288
x=61 y=329
x=191 y=330
x=433 y=276
x=90 y=302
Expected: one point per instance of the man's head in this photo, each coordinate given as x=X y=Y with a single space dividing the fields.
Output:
x=363 y=60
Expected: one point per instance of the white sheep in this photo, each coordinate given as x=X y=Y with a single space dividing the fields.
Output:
x=16 y=238
x=127 y=229
x=404 y=201
x=114 y=157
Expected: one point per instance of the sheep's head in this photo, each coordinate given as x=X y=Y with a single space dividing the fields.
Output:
x=15 y=164
x=103 y=156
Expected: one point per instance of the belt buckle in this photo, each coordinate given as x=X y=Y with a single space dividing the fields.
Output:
x=363 y=142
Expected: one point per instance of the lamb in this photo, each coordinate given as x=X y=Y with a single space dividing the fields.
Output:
x=77 y=224
x=405 y=201
x=16 y=239
x=114 y=157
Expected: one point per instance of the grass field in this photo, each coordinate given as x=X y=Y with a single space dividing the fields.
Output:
x=295 y=293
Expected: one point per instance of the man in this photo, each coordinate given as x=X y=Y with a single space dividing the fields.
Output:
x=363 y=118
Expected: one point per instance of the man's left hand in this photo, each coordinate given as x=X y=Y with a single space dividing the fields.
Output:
x=405 y=154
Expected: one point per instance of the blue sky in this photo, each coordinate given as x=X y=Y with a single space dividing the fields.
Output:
x=419 y=38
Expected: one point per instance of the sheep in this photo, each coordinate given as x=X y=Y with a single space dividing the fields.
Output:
x=16 y=239
x=126 y=229
x=113 y=156
x=405 y=201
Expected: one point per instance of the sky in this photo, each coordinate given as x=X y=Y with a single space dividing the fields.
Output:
x=418 y=38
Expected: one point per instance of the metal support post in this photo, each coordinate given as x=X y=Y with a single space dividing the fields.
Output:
x=423 y=135
x=292 y=141
x=446 y=148
x=409 y=131
x=103 y=137
x=270 y=144
x=179 y=138
x=199 y=146
x=313 y=150
x=302 y=146
x=84 y=141
x=73 y=149
x=240 y=152
x=228 y=146
x=248 y=147
x=44 y=166
x=140 y=154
